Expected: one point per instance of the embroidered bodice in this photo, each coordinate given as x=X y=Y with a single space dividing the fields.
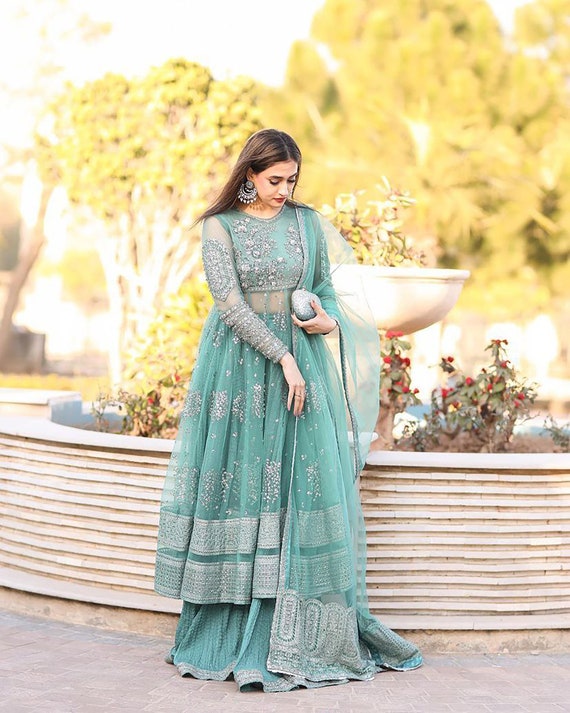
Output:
x=252 y=265
x=268 y=252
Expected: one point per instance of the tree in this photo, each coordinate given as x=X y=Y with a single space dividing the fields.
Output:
x=144 y=156
x=431 y=94
x=46 y=29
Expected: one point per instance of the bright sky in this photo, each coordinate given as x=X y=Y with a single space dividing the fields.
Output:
x=231 y=37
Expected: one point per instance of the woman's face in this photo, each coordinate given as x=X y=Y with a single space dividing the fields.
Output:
x=274 y=185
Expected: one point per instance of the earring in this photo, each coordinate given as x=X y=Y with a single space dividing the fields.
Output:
x=247 y=192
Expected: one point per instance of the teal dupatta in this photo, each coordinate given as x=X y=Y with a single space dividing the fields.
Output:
x=261 y=530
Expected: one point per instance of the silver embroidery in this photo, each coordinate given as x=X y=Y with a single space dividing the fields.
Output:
x=193 y=404
x=314 y=397
x=218 y=404
x=309 y=636
x=314 y=480
x=238 y=406
x=270 y=526
x=185 y=484
x=169 y=572
x=251 y=329
x=258 y=262
x=218 y=268
x=321 y=527
x=281 y=320
x=258 y=401
x=174 y=531
x=224 y=537
x=271 y=482
x=319 y=574
x=237 y=582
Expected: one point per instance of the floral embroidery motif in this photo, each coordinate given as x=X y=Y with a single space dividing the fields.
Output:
x=218 y=404
x=293 y=242
x=314 y=480
x=259 y=264
x=258 y=401
x=193 y=404
x=218 y=269
x=185 y=484
x=271 y=482
x=238 y=406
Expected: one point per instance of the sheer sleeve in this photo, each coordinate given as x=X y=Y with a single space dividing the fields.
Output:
x=221 y=274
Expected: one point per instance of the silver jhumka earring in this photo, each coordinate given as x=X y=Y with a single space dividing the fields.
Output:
x=247 y=192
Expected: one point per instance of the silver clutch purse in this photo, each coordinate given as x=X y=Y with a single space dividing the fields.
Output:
x=301 y=304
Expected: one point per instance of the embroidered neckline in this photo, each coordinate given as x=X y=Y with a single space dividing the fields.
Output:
x=259 y=217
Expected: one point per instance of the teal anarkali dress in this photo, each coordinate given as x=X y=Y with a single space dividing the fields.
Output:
x=261 y=530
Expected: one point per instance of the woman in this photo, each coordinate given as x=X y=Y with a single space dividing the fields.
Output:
x=261 y=531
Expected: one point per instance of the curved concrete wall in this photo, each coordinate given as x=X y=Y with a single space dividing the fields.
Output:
x=469 y=534
x=465 y=539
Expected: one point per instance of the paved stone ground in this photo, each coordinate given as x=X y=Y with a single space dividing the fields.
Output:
x=50 y=667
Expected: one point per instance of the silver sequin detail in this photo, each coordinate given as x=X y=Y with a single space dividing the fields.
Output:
x=238 y=406
x=271 y=482
x=193 y=404
x=258 y=401
x=251 y=329
x=218 y=268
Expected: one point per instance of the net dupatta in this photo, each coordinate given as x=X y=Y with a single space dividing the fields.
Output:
x=355 y=347
x=322 y=629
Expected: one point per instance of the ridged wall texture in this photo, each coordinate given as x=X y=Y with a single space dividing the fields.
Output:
x=80 y=521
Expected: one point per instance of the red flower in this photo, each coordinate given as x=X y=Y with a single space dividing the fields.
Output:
x=444 y=393
x=468 y=381
x=521 y=396
x=406 y=361
x=504 y=364
x=416 y=391
x=387 y=360
x=177 y=377
x=405 y=389
x=489 y=387
x=450 y=359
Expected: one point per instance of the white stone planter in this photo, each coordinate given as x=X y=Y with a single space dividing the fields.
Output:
x=405 y=299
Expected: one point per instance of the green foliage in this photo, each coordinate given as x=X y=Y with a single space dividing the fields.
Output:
x=374 y=229
x=487 y=406
x=131 y=148
x=560 y=434
x=432 y=94
x=144 y=156
x=153 y=413
x=396 y=392
x=170 y=344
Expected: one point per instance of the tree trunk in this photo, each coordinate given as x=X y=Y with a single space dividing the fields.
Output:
x=32 y=239
x=117 y=310
x=385 y=426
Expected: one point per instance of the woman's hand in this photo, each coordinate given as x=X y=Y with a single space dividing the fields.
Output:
x=296 y=384
x=320 y=324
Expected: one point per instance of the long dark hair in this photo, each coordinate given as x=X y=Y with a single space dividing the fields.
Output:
x=262 y=150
